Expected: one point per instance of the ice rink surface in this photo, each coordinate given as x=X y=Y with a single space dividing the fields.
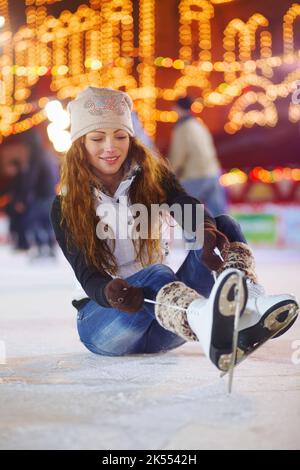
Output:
x=54 y=394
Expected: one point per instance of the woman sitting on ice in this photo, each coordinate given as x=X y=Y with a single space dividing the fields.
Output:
x=119 y=275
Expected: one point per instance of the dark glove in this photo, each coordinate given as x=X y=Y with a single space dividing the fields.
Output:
x=123 y=296
x=213 y=238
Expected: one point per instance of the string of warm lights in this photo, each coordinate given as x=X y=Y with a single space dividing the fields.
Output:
x=259 y=174
x=6 y=58
x=167 y=62
x=288 y=30
x=41 y=2
x=238 y=118
x=247 y=42
x=25 y=124
x=203 y=17
x=146 y=68
x=74 y=47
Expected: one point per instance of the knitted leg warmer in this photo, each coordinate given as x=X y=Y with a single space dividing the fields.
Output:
x=175 y=294
x=240 y=257
x=178 y=294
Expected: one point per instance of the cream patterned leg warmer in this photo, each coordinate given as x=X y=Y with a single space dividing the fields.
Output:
x=240 y=257
x=176 y=294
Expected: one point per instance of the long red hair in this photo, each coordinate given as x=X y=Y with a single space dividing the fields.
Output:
x=78 y=211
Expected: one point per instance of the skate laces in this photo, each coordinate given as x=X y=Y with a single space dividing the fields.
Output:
x=255 y=290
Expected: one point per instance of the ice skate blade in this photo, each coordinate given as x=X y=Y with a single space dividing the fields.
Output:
x=228 y=306
x=225 y=360
x=238 y=297
x=248 y=353
x=213 y=321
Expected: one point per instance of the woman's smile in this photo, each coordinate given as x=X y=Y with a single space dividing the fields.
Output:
x=110 y=160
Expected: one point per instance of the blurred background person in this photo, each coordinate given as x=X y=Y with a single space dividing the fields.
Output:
x=194 y=159
x=9 y=168
x=33 y=174
x=14 y=157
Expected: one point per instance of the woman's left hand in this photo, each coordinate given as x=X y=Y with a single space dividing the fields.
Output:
x=213 y=238
x=123 y=296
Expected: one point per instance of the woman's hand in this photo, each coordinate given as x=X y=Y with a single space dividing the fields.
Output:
x=123 y=296
x=214 y=239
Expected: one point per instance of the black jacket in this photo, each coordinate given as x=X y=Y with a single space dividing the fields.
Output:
x=93 y=281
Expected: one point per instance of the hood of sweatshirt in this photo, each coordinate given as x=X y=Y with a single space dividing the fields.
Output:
x=131 y=169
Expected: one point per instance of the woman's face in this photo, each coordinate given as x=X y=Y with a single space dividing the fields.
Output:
x=107 y=150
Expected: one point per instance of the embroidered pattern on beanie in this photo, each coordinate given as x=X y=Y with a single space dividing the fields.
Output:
x=99 y=105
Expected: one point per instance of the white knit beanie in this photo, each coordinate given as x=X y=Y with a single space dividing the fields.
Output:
x=96 y=108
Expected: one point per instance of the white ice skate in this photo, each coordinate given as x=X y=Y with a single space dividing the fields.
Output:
x=265 y=317
x=215 y=320
x=237 y=318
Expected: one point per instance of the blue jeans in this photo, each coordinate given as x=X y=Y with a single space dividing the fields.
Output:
x=112 y=332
